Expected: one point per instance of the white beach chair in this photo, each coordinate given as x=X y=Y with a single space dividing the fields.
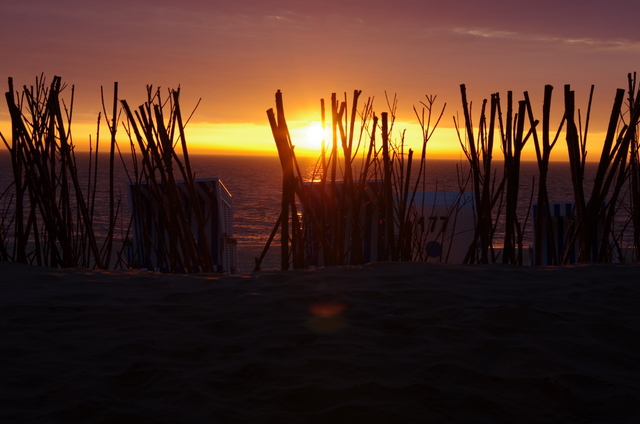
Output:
x=216 y=207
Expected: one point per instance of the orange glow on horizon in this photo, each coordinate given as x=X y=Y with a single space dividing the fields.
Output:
x=306 y=136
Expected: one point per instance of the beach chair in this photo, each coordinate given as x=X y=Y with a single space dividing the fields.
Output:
x=444 y=226
x=370 y=222
x=563 y=230
x=150 y=238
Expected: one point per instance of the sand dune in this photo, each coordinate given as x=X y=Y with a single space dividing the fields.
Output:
x=381 y=343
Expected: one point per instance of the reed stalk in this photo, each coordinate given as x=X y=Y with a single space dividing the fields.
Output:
x=487 y=191
x=53 y=223
x=634 y=167
x=363 y=213
x=366 y=185
x=543 y=219
x=513 y=143
x=417 y=228
x=169 y=240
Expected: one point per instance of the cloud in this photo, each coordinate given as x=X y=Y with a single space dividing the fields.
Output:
x=485 y=33
x=602 y=44
x=618 y=44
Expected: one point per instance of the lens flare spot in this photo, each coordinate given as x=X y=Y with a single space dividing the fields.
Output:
x=325 y=317
x=326 y=309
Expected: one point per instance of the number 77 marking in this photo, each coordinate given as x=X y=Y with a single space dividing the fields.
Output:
x=434 y=219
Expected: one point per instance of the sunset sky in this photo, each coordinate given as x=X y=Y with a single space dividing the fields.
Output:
x=234 y=55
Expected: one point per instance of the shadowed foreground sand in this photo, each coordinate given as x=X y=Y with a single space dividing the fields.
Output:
x=381 y=343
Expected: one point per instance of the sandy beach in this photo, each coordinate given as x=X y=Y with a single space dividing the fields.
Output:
x=379 y=343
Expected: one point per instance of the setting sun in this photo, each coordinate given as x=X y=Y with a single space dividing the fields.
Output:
x=315 y=135
x=308 y=136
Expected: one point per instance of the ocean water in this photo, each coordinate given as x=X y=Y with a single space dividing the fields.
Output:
x=255 y=185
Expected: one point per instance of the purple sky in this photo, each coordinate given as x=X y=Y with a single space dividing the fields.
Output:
x=236 y=54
